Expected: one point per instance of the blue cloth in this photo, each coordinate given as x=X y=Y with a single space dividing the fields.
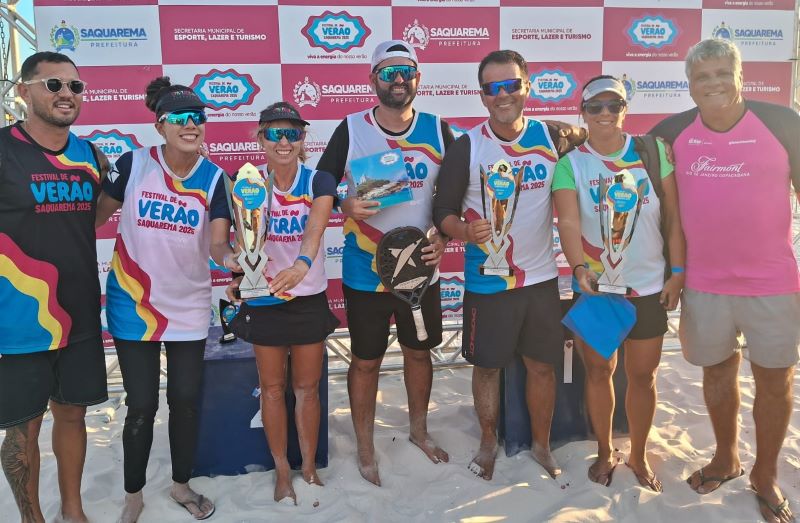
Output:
x=601 y=321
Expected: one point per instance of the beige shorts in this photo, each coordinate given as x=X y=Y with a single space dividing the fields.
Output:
x=710 y=324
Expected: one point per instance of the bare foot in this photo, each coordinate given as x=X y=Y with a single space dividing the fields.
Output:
x=482 y=465
x=645 y=476
x=772 y=504
x=199 y=506
x=602 y=470
x=310 y=476
x=369 y=471
x=430 y=448
x=133 y=506
x=543 y=457
x=283 y=485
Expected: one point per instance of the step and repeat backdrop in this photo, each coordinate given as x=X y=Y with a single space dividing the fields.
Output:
x=241 y=55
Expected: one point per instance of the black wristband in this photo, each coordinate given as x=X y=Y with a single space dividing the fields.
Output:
x=235 y=275
x=576 y=268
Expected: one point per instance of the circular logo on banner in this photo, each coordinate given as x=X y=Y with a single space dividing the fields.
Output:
x=621 y=198
x=252 y=195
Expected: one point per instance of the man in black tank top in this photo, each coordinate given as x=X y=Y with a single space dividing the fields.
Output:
x=50 y=343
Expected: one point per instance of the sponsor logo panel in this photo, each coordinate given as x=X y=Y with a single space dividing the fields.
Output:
x=642 y=123
x=116 y=94
x=453 y=257
x=460 y=124
x=549 y=3
x=452 y=295
x=338 y=35
x=765 y=36
x=317 y=137
x=231 y=144
x=665 y=34
x=653 y=87
x=328 y=92
x=556 y=87
x=209 y=34
x=334 y=248
x=336 y=300
x=768 y=82
x=448 y=34
x=677 y=4
x=542 y=33
x=787 y=5
x=450 y=89
x=92 y=35
x=231 y=92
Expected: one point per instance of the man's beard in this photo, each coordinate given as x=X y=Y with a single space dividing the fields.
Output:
x=51 y=119
x=391 y=101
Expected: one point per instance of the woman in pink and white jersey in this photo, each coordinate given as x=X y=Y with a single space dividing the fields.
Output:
x=174 y=214
x=295 y=320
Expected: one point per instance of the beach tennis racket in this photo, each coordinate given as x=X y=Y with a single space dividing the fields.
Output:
x=403 y=271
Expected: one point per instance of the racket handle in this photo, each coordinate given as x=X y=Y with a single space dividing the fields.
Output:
x=419 y=323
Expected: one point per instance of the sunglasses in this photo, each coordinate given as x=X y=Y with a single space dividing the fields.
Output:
x=274 y=134
x=182 y=118
x=596 y=107
x=509 y=86
x=54 y=85
x=389 y=73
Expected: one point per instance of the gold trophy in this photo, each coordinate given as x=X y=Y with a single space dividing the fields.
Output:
x=619 y=207
x=247 y=197
x=501 y=188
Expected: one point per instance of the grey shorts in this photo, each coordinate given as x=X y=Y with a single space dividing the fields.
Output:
x=710 y=324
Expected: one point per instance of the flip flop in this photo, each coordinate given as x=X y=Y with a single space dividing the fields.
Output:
x=649 y=482
x=775 y=509
x=609 y=474
x=197 y=502
x=720 y=480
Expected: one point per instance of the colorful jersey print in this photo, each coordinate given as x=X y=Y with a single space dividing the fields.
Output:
x=529 y=253
x=48 y=260
x=159 y=287
x=423 y=148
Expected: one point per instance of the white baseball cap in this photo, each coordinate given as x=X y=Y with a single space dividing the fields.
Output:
x=604 y=85
x=393 y=49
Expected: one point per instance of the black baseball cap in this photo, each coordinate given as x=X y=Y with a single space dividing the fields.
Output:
x=182 y=100
x=281 y=111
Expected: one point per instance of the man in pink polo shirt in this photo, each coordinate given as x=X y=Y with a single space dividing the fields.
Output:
x=736 y=161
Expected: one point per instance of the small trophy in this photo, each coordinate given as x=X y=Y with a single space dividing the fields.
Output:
x=501 y=187
x=617 y=203
x=227 y=311
x=247 y=197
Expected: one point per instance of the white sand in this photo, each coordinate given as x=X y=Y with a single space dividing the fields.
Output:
x=417 y=490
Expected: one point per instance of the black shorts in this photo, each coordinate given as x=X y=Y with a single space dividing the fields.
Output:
x=74 y=375
x=369 y=315
x=651 y=316
x=525 y=320
x=300 y=321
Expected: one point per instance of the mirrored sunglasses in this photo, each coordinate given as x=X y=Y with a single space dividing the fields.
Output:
x=389 y=73
x=509 y=86
x=54 y=85
x=182 y=118
x=274 y=134
x=596 y=106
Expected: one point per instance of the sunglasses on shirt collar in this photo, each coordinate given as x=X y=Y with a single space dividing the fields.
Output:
x=274 y=134
x=511 y=85
x=182 y=118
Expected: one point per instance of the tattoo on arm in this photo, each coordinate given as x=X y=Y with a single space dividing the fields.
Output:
x=16 y=466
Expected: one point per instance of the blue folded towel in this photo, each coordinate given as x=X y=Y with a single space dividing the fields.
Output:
x=601 y=321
